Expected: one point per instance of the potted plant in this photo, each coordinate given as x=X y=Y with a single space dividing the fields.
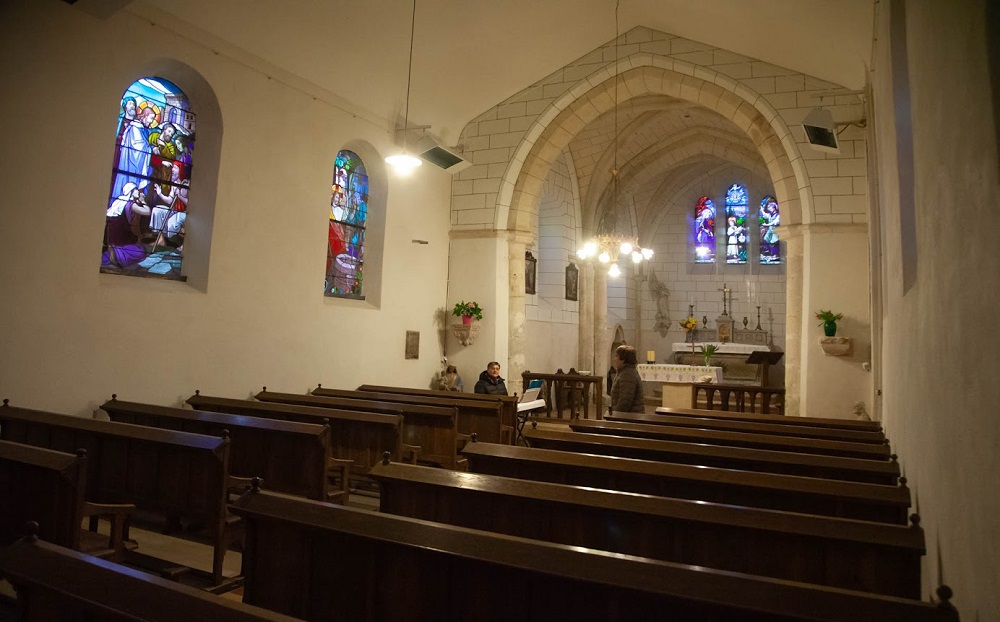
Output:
x=707 y=351
x=467 y=311
x=829 y=321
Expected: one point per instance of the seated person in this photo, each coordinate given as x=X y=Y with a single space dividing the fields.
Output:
x=626 y=392
x=490 y=382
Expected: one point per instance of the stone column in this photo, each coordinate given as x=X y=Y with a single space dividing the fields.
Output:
x=586 y=315
x=602 y=342
x=794 y=273
x=516 y=316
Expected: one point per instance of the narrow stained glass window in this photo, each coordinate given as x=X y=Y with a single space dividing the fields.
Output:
x=704 y=231
x=348 y=215
x=770 y=219
x=736 y=224
x=147 y=203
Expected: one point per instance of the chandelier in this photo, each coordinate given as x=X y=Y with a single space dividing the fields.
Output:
x=609 y=248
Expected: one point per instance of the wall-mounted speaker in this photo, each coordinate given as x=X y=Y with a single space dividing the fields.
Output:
x=821 y=131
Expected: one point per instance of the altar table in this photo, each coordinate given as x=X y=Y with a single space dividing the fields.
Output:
x=677 y=380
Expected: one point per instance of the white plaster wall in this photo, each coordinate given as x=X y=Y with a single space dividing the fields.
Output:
x=940 y=369
x=478 y=270
x=833 y=384
x=71 y=336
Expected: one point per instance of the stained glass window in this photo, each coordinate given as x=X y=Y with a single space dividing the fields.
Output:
x=147 y=203
x=348 y=214
x=704 y=231
x=736 y=224
x=770 y=219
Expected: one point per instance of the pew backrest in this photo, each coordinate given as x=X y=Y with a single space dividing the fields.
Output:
x=289 y=456
x=715 y=423
x=508 y=403
x=788 y=463
x=298 y=549
x=861 y=555
x=816 y=422
x=808 y=495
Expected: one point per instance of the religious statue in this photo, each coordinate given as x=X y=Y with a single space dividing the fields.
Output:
x=662 y=294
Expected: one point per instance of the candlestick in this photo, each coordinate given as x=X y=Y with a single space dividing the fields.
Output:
x=758 y=318
x=650 y=356
x=691 y=310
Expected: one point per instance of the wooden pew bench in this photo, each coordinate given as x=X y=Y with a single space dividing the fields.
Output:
x=787 y=463
x=434 y=429
x=770 y=442
x=322 y=562
x=508 y=403
x=859 y=555
x=814 y=422
x=357 y=436
x=482 y=418
x=751 y=427
x=56 y=584
x=48 y=488
x=175 y=475
x=291 y=457
x=871 y=502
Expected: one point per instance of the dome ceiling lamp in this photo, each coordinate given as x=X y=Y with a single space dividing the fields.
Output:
x=404 y=163
x=609 y=247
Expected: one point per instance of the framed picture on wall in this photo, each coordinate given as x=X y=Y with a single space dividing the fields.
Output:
x=412 y=344
x=572 y=282
x=530 y=264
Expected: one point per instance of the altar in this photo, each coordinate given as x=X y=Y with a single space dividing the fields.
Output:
x=676 y=380
x=730 y=357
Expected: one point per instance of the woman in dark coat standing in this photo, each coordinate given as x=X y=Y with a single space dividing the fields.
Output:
x=626 y=392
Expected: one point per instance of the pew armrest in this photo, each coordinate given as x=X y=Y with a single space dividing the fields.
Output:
x=413 y=451
x=118 y=514
x=340 y=467
x=236 y=486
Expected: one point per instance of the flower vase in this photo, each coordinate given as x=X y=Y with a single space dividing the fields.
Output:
x=830 y=328
x=466 y=319
x=708 y=361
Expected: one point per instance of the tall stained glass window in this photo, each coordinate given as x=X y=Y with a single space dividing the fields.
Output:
x=704 y=231
x=736 y=224
x=348 y=215
x=770 y=219
x=151 y=176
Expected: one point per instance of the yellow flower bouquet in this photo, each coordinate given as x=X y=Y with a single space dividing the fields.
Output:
x=689 y=324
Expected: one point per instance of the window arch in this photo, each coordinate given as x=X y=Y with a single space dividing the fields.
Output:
x=704 y=231
x=348 y=220
x=770 y=220
x=736 y=224
x=147 y=204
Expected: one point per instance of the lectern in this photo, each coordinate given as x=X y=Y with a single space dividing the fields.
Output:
x=765 y=359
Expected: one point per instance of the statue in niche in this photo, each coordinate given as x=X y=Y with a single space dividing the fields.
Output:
x=662 y=294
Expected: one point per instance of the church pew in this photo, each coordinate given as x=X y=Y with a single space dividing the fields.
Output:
x=750 y=427
x=172 y=474
x=815 y=422
x=479 y=417
x=324 y=562
x=291 y=457
x=358 y=436
x=508 y=403
x=858 y=555
x=772 y=442
x=871 y=502
x=783 y=462
x=57 y=584
x=434 y=429
x=48 y=487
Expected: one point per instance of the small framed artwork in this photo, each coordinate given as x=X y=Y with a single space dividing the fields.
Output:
x=530 y=264
x=572 y=282
x=412 y=344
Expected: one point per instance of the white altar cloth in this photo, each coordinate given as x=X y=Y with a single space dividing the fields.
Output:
x=679 y=373
x=722 y=348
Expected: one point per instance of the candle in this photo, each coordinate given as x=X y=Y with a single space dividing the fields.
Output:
x=650 y=356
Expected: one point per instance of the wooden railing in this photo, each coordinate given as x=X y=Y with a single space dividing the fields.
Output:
x=572 y=391
x=738 y=398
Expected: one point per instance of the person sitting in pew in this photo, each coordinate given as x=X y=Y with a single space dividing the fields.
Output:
x=490 y=381
x=626 y=392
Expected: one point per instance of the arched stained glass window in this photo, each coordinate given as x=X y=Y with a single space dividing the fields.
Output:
x=736 y=224
x=770 y=219
x=704 y=231
x=147 y=204
x=348 y=215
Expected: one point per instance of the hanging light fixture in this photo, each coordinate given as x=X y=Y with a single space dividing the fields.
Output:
x=404 y=162
x=608 y=247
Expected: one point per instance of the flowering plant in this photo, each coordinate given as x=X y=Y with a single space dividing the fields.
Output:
x=689 y=324
x=828 y=316
x=468 y=308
